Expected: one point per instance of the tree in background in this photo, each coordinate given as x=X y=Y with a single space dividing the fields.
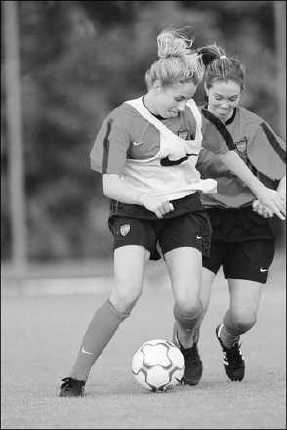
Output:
x=80 y=59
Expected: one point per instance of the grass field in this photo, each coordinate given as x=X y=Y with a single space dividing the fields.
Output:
x=41 y=331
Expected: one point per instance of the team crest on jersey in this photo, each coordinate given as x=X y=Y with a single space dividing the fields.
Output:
x=183 y=134
x=125 y=229
x=241 y=146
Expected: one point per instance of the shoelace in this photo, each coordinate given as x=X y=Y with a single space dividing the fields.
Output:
x=234 y=355
x=66 y=382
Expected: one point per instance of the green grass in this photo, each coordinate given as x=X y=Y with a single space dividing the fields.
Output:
x=41 y=335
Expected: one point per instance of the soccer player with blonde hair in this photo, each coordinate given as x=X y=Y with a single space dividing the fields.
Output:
x=146 y=151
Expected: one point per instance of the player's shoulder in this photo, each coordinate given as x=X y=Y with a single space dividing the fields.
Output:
x=123 y=114
x=248 y=117
x=191 y=112
x=191 y=108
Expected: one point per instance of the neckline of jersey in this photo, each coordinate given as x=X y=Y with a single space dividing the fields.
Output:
x=231 y=119
x=161 y=118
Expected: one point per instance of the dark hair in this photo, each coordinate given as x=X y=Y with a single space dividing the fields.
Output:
x=219 y=67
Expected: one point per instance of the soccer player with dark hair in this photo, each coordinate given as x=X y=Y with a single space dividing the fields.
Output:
x=242 y=238
x=146 y=151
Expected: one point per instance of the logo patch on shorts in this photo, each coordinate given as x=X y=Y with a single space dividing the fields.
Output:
x=125 y=229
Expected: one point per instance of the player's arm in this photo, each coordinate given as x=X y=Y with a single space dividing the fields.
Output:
x=115 y=187
x=109 y=156
x=273 y=157
x=265 y=211
x=269 y=198
x=282 y=188
x=216 y=138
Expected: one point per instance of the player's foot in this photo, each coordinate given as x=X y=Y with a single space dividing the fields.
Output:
x=233 y=359
x=192 y=365
x=72 y=388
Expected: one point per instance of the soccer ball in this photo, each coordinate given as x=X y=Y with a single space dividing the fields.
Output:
x=158 y=365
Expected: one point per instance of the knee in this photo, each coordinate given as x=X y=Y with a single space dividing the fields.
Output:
x=124 y=300
x=243 y=321
x=204 y=307
x=187 y=313
x=189 y=306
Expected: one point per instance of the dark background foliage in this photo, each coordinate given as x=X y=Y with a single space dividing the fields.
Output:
x=79 y=59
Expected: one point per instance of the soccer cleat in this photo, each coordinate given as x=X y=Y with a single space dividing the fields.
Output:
x=72 y=388
x=233 y=359
x=192 y=365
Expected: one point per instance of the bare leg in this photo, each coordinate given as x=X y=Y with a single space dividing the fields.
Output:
x=240 y=317
x=207 y=278
x=184 y=265
x=245 y=297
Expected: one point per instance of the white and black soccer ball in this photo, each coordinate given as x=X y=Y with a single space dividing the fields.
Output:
x=158 y=365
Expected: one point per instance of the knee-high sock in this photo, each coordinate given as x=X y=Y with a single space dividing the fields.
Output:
x=228 y=333
x=233 y=328
x=100 y=330
x=186 y=325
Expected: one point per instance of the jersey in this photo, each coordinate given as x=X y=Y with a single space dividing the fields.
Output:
x=131 y=144
x=255 y=142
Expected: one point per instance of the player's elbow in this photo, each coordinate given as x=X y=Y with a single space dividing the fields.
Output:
x=227 y=157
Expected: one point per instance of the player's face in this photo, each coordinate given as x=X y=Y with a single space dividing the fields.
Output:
x=223 y=97
x=172 y=99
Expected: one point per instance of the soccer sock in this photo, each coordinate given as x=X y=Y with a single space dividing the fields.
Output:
x=226 y=337
x=101 y=329
x=186 y=330
x=196 y=331
x=228 y=334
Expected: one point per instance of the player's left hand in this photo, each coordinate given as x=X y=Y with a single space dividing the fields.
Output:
x=262 y=210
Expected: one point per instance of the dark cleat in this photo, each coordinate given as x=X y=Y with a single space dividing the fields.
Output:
x=72 y=388
x=233 y=359
x=192 y=365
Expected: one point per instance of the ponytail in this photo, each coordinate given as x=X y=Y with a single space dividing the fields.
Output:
x=219 y=67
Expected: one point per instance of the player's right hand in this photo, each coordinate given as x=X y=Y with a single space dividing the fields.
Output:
x=261 y=209
x=156 y=204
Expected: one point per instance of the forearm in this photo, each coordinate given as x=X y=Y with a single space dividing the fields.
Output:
x=239 y=168
x=282 y=187
x=273 y=200
x=117 y=189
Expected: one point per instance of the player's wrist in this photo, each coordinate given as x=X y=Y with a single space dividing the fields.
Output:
x=260 y=190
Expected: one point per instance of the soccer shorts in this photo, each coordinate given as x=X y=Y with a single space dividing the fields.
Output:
x=189 y=230
x=242 y=243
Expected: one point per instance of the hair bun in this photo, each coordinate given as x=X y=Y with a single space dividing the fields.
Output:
x=172 y=45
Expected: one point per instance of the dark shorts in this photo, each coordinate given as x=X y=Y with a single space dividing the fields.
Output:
x=242 y=243
x=184 y=229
